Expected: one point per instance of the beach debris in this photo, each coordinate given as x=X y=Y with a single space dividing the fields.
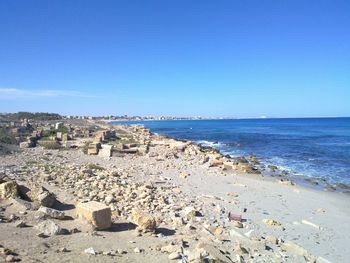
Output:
x=306 y=222
x=271 y=222
x=138 y=250
x=234 y=217
x=320 y=210
x=237 y=224
x=97 y=214
x=90 y=251
x=184 y=175
x=233 y=194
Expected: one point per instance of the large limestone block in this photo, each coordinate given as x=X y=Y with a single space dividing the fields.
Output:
x=23 y=145
x=106 y=150
x=94 y=148
x=8 y=190
x=97 y=214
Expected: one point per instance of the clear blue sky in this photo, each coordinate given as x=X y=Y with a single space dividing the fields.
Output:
x=181 y=57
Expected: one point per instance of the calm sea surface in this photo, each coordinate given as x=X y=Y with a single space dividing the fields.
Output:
x=306 y=148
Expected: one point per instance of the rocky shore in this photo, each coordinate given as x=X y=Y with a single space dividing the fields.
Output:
x=118 y=193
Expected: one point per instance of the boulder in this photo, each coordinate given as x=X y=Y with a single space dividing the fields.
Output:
x=143 y=221
x=40 y=195
x=297 y=250
x=190 y=212
x=8 y=189
x=50 y=228
x=215 y=163
x=45 y=198
x=247 y=168
x=50 y=212
x=97 y=214
x=23 y=145
x=215 y=253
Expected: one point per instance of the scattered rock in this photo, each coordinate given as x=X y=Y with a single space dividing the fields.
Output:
x=190 y=212
x=215 y=253
x=143 y=221
x=174 y=255
x=109 y=199
x=90 y=251
x=63 y=249
x=184 y=175
x=239 y=249
x=138 y=250
x=237 y=224
x=271 y=222
x=8 y=189
x=40 y=195
x=297 y=250
x=216 y=163
x=50 y=228
x=11 y=258
x=272 y=239
x=21 y=224
x=171 y=249
x=52 y=213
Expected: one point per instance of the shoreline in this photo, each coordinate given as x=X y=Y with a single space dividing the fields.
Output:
x=312 y=182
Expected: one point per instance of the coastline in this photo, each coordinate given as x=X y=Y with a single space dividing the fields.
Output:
x=190 y=193
x=278 y=173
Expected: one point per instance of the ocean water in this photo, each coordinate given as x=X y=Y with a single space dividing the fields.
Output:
x=305 y=148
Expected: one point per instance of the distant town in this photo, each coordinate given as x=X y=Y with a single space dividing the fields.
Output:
x=53 y=116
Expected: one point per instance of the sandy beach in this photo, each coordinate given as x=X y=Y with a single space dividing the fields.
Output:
x=189 y=192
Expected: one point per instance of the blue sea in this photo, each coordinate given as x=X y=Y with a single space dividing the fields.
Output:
x=306 y=148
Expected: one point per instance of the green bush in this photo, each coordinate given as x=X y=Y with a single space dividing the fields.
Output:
x=6 y=136
x=34 y=116
x=51 y=146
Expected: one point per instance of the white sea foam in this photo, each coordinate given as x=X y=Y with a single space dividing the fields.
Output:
x=210 y=144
